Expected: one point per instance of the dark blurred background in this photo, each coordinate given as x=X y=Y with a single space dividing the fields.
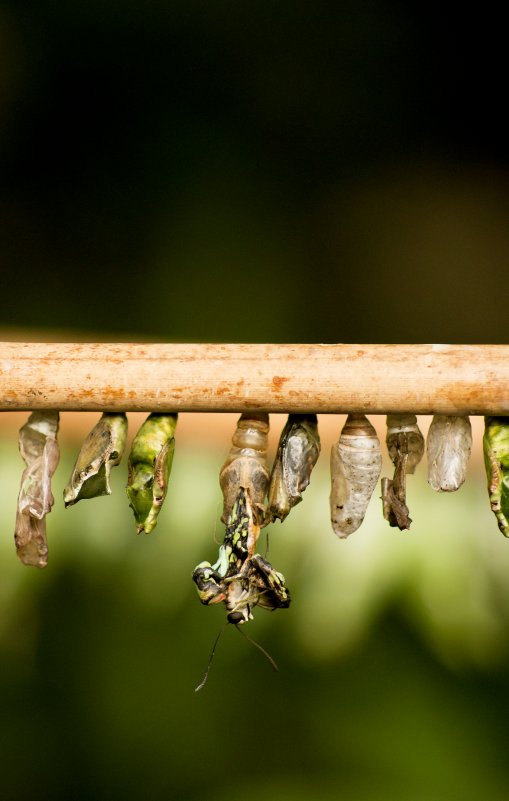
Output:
x=256 y=171
x=290 y=171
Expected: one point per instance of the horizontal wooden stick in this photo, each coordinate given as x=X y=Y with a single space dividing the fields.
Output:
x=447 y=379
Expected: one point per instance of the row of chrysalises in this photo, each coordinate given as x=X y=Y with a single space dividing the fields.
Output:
x=253 y=495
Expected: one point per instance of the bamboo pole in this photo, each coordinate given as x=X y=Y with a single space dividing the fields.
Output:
x=423 y=379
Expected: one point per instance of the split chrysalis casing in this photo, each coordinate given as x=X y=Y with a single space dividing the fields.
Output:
x=297 y=453
x=395 y=510
x=102 y=450
x=246 y=464
x=39 y=448
x=405 y=444
x=405 y=424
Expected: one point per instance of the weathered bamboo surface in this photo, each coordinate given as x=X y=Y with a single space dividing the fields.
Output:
x=376 y=379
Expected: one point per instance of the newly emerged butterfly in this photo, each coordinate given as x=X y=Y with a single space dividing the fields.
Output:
x=102 y=450
x=241 y=579
x=39 y=448
x=496 y=459
x=256 y=584
x=448 y=448
x=297 y=453
x=356 y=462
x=149 y=468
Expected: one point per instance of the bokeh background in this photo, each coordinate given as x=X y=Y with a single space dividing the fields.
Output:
x=289 y=171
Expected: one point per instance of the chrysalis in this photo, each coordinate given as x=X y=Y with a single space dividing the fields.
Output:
x=240 y=578
x=39 y=448
x=149 y=468
x=448 y=448
x=496 y=459
x=395 y=510
x=102 y=450
x=406 y=448
x=405 y=424
x=298 y=451
x=356 y=462
x=246 y=465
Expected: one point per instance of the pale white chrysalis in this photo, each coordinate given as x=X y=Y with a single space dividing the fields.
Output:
x=39 y=448
x=356 y=463
x=448 y=449
x=405 y=424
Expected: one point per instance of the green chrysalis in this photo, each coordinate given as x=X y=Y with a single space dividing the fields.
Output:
x=149 y=468
x=496 y=459
x=102 y=450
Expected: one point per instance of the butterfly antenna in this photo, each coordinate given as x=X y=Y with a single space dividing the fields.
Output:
x=260 y=647
x=207 y=670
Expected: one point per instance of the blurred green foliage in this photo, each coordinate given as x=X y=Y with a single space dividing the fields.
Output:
x=392 y=658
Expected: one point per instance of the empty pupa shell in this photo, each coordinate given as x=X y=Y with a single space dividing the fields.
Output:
x=496 y=460
x=102 y=450
x=405 y=424
x=31 y=540
x=448 y=448
x=298 y=451
x=246 y=464
x=39 y=448
x=149 y=468
x=395 y=509
x=356 y=464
